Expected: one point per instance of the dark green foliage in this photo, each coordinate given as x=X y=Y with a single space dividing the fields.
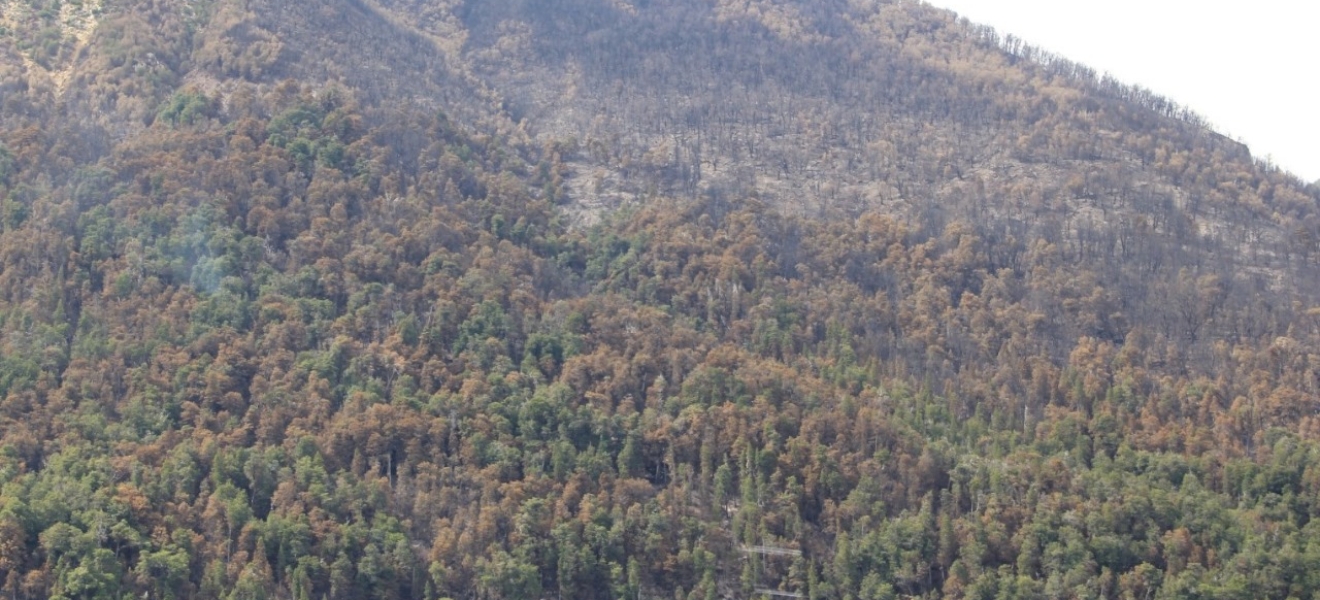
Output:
x=186 y=109
x=8 y=168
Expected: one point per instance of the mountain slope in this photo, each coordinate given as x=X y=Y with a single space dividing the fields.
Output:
x=603 y=299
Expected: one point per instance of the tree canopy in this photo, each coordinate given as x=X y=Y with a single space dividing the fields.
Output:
x=270 y=333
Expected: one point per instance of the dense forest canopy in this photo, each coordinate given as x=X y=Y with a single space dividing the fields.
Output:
x=614 y=299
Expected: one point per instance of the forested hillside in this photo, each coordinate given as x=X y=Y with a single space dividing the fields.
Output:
x=602 y=299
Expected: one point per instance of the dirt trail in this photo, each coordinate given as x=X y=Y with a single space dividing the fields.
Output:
x=76 y=21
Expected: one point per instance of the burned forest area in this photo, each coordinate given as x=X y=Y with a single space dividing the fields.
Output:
x=635 y=299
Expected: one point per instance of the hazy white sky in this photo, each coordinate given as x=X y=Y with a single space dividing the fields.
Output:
x=1247 y=67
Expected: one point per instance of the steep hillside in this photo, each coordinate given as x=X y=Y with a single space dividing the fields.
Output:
x=634 y=299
